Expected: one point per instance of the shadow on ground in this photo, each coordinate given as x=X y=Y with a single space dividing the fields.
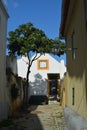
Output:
x=24 y=120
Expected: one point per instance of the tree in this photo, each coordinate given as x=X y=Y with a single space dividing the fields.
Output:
x=58 y=47
x=27 y=38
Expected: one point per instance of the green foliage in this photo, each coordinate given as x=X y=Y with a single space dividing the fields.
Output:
x=59 y=47
x=27 y=38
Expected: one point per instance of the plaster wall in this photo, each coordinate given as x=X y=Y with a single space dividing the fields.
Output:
x=11 y=62
x=3 y=89
x=38 y=78
x=77 y=67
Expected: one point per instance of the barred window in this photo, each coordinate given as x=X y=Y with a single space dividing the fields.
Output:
x=73 y=96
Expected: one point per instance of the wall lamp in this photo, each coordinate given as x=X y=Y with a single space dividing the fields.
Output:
x=58 y=51
x=71 y=49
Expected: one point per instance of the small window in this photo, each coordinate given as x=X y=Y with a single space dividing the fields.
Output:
x=43 y=64
x=73 y=96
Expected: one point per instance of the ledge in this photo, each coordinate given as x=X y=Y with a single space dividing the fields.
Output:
x=74 y=120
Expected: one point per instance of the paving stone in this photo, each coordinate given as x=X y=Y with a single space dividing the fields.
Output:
x=41 y=117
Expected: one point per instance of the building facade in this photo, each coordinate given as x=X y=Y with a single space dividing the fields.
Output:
x=3 y=30
x=73 y=29
x=45 y=72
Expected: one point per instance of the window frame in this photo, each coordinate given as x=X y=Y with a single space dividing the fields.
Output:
x=73 y=45
x=46 y=61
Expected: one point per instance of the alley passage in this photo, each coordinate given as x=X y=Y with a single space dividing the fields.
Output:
x=41 y=117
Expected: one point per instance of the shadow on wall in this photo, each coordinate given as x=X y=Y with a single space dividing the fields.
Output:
x=86 y=84
x=39 y=86
x=78 y=70
x=38 y=90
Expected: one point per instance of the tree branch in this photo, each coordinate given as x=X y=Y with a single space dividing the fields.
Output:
x=35 y=57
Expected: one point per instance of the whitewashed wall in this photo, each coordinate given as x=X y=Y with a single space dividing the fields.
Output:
x=11 y=62
x=38 y=78
x=3 y=89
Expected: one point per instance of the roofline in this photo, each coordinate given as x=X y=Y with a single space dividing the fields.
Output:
x=64 y=10
x=4 y=8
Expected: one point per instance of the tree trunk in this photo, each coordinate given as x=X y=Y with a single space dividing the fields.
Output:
x=27 y=77
x=27 y=86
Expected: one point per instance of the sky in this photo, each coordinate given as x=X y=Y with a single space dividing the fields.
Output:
x=44 y=14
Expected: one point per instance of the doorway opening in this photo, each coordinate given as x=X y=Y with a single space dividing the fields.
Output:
x=53 y=86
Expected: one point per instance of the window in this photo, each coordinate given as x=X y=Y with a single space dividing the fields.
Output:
x=73 y=45
x=85 y=4
x=73 y=96
x=43 y=64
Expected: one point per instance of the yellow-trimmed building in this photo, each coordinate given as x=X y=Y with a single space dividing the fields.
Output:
x=73 y=29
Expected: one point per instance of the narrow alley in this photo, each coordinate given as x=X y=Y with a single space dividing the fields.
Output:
x=41 y=117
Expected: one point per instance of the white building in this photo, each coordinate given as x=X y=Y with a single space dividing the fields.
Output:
x=45 y=69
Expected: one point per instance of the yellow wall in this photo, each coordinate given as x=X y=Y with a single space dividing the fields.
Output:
x=77 y=68
x=63 y=91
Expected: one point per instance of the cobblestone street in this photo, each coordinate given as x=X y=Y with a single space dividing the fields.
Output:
x=42 y=117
